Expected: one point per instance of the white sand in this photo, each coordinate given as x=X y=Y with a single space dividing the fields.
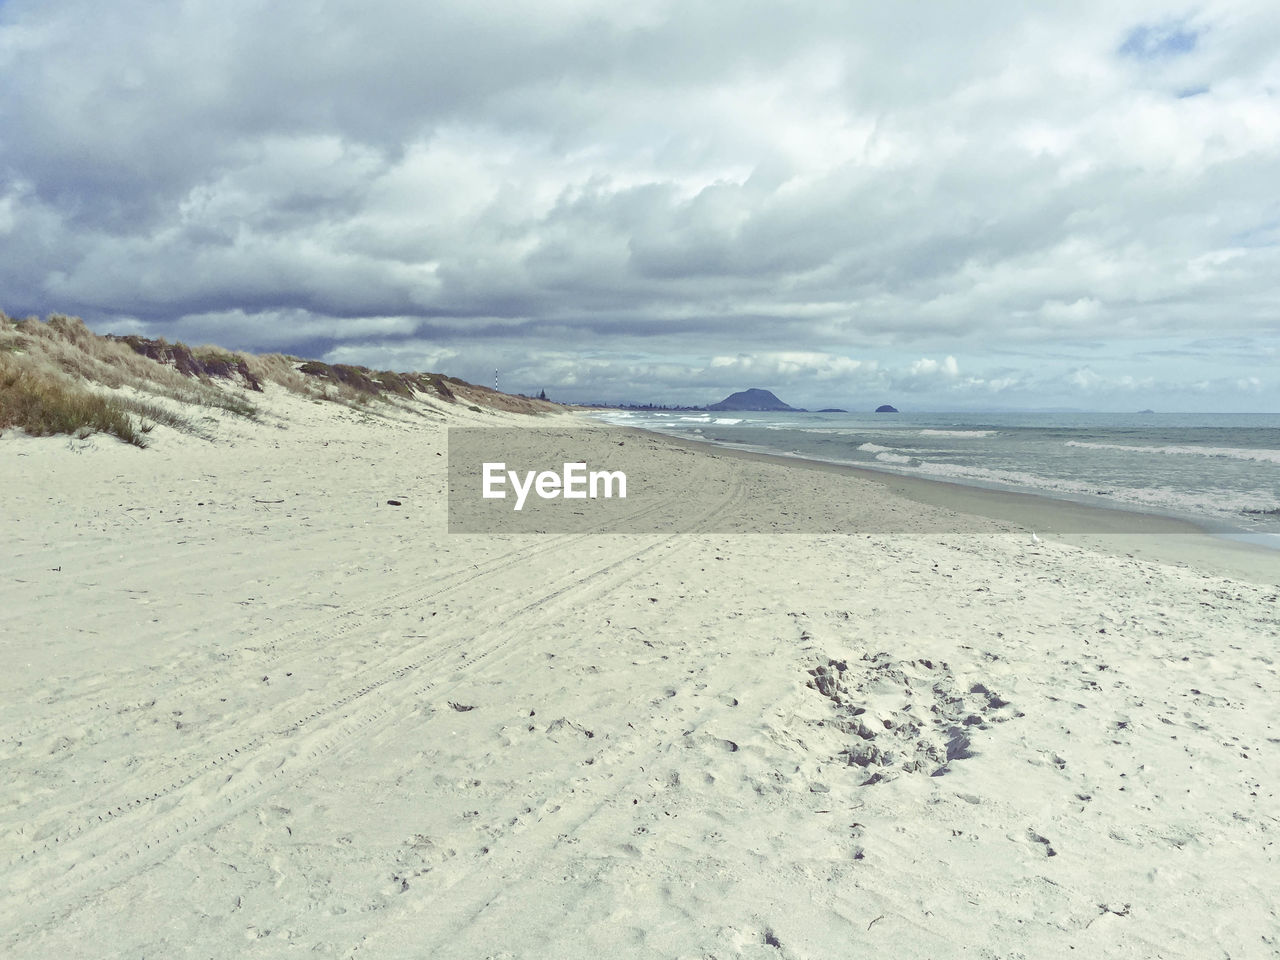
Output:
x=227 y=723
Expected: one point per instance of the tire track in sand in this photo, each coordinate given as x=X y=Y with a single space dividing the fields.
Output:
x=105 y=847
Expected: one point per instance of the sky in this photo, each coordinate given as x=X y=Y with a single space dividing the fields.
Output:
x=941 y=206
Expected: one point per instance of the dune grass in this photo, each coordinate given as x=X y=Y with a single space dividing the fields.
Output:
x=151 y=414
x=49 y=372
x=56 y=374
x=43 y=402
x=69 y=345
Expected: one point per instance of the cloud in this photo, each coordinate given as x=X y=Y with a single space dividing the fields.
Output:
x=926 y=367
x=788 y=365
x=1085 y=379
x=603 y=193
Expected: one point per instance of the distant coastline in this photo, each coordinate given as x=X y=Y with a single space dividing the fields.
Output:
x=752 y=399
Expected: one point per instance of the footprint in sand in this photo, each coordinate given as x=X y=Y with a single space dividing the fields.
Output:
x=912 y=716
x=692 y=739
x=1043 y=841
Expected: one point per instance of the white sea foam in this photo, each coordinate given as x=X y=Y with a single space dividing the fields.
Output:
x=613 y=416
x=727 y=421
x=1232 y=453
x=1218 y=483
x=1161 y=498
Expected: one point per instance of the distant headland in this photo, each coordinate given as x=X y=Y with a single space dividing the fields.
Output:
x=753 y=399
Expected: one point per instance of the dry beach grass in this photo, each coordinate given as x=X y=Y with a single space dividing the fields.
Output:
x=58 y=377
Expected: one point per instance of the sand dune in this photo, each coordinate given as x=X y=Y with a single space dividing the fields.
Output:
x=250 y=708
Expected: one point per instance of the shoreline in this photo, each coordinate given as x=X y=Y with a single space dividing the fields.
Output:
x=1113 y=530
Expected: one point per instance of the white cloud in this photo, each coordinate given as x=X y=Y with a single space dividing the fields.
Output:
x=926 y=367
x=392 y=357
x=1085 y=379
x=826 y=192
x=789 y=366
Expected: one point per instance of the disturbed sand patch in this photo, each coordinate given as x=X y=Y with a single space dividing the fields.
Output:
x=906 y=716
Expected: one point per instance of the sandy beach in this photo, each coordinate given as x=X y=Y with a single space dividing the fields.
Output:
x=251 y=708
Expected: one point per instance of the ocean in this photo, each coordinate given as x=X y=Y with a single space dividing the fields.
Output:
x=1221 y=471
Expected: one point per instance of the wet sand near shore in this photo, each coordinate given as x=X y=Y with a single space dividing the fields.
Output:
x=1150 y=536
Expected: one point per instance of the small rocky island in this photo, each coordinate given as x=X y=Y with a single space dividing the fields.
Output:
x=885 y=408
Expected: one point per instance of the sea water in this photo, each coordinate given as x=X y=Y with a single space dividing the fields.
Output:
x=1219 y=470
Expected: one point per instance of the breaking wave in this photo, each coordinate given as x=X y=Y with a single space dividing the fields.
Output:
x=1232 y=453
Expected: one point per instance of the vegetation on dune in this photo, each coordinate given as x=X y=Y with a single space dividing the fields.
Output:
x=66 y=344
x=380 y=382
x=44 y=403
x=200 y=363
x=54 y=372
